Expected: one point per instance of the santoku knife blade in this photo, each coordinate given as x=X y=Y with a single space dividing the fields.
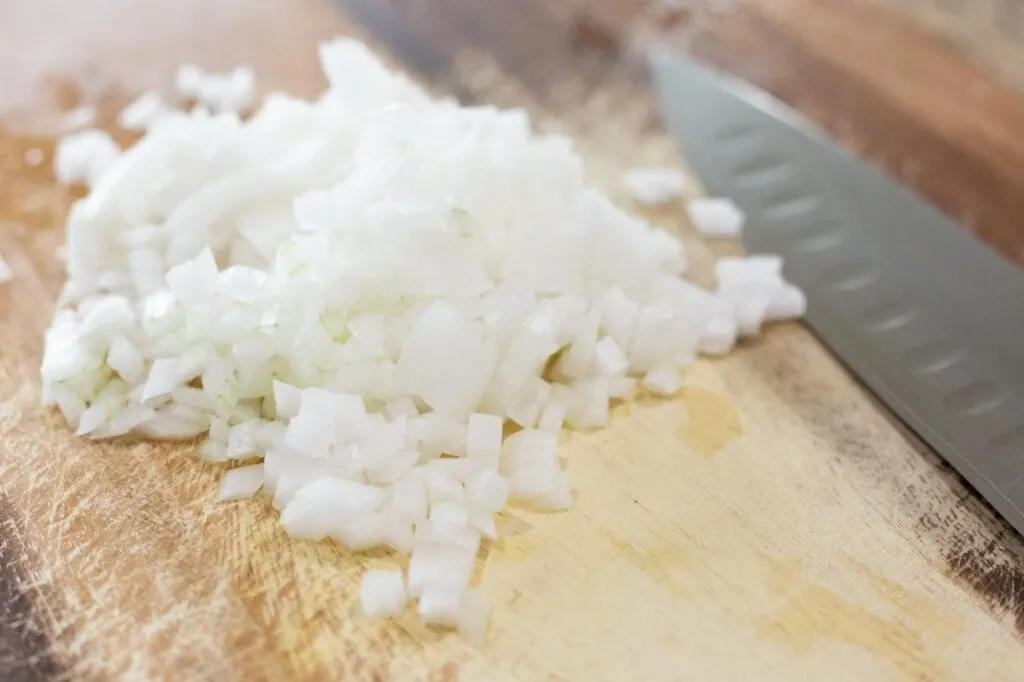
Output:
x=928 y=317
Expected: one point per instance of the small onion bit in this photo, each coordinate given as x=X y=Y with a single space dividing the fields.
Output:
x=714 y=217
x=656 y=185
x=382 y=592
x=240 y=483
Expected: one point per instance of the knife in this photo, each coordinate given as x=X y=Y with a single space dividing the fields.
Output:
x=927 y=316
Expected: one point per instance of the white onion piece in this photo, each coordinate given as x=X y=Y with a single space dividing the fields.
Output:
x=91 y=419
x=445 y=568
x=472 y=617
x=84 y=157
x=527 y=447
x=553 y=416
x=286 y=400
x=409 y=497
x=663 y=382
x=240 y=483
x=401 y=406
x=482 y=521
x=382 y=592
x=444 y=360
x=439 y=605
x=621 y=387
x=230 y=92
x=448 y=518
x=397 y=531
x=733 y=270
x=168 y=426
x=588 y=408
x=654 y=185
x=78 y=118
x=609 y=359
x=788 y=303
x=489 y=490
x=71 y=405
x=162 y=379
x=314 y=512
x=360 y=531
x=243 y=440
x=311 y=431
x=443 y=488
x=188 y=80
x=125 y=359
x=719 y=335
x=483 y=438
x=143 y=112
x=715 y=217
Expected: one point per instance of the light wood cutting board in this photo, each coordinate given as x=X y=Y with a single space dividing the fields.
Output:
x=773 y=523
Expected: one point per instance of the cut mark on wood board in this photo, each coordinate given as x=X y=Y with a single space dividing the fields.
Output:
x=26 y=649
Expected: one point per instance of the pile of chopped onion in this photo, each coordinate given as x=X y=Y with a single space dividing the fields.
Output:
x=356 y=297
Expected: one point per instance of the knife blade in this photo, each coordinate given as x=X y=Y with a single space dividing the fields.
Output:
x=929 y=318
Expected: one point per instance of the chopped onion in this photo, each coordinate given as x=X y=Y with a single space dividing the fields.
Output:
x=715 y=217
x=241 y=483
x=755 y=292
x=553 y=416
x=317 y=507
x=656 y=185
x=409 y=497
x=78 y=118
x=162 y=378
x=125 y=359
x=382 y=592
x=84 y=157
x=366 y=291
x=489 y=490
x=483 y=438
x=230 y=92
x=788 y=303
x=663 y=382
x=439 y=605
x=143 y=112
x=472 y=617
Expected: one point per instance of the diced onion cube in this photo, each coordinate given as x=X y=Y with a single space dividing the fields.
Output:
x=715 y=217
x=240 y=483
x=382 y=592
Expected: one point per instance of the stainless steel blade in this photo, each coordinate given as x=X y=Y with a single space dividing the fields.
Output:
x=927 y=316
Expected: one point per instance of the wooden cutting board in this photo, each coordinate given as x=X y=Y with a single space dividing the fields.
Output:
x=773 y=523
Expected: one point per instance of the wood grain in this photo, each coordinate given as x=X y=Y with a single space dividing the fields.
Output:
x=793 y=531
x=992 y=31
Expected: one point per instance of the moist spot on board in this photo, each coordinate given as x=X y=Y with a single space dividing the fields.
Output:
x=712 y=420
